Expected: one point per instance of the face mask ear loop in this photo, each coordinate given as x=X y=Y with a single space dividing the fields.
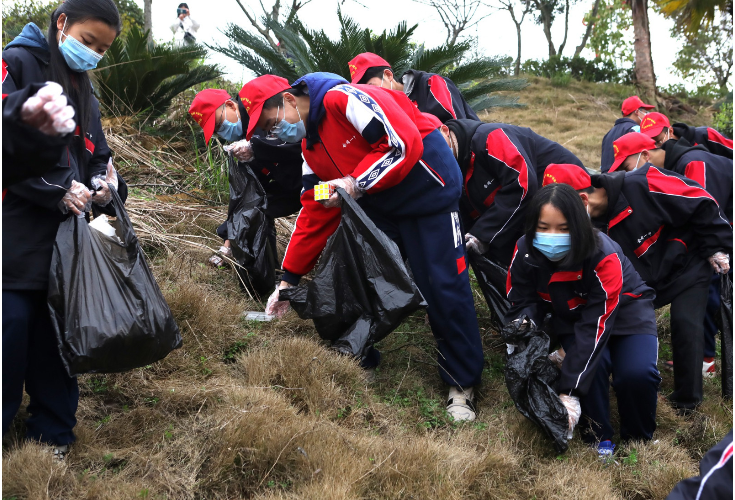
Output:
x=62 y=31
x=636 y=162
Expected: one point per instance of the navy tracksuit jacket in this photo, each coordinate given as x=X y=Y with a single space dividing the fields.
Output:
x=436 y=95
x=715 y=142
x=622 y=126
x=503 y=167
x=666 y=224
x=715 y=475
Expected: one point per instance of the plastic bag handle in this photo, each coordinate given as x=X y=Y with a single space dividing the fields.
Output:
x=128 y=237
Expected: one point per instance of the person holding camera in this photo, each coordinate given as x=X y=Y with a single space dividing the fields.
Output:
x=184 y=28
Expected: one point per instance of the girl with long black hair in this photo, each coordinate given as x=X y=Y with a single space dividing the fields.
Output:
x=79 y=34
x=602 y=313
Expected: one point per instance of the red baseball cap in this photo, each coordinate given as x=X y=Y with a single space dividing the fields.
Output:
x=254 y=93
x=565 y=173
x=630 y=144
x=653 y=124
x=632 y=103
x=203 y=109
x=363 y=62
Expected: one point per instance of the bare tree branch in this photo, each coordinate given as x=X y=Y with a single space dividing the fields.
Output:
x=588 y=31
x=272 y=15
x=509 y=6
x=457 y=16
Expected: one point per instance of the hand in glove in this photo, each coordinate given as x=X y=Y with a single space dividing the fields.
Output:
x=720 y=262
x=101 y=183
x=571 y=403
x=49 y=111
x=276 y=307
x=557 y=357
x=474 y=245
x=76 y=199
x=349 y=185
x=242 y=150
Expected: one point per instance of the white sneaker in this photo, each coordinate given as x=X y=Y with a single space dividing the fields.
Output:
x=708 y=369
x=461 y=404
x=60 y=452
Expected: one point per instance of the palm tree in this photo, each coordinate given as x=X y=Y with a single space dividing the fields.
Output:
x=307 y=51
x=137 y=77
x=689 y=14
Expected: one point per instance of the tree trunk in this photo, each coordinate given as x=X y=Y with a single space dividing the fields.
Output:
x=546 y=17
x=517 y=69
x=566 y=28
x=588 y=32
x=645 y=77
x=147 y=22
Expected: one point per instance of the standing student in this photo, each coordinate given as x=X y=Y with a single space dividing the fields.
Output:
x=634 y=110
x=430 y=92
x=657 y=127
x=79 y=34
x=376 y=145
x=674 y=234
x=185 y=27
x=602 y=312
x=275 y=163
x=502 y=167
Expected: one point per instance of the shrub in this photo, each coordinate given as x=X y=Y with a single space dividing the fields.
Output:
x=722 y=120
x=561 y=79
x=579 y=68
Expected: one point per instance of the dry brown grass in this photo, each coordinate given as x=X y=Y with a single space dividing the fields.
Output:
x=265 y=410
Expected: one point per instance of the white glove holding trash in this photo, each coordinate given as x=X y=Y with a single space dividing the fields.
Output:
x=720 y=262
x=76 y=199
x=474 y=245
x=557 y=357
x=49 y=111
x=242 y=150
x=276 y=307
x=101 y=183
x=571 y=403
x=349 y=184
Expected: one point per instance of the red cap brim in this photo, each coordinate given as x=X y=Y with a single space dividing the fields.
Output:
x=208 y=128
x=358 y=76
x=653 y=131
x=617 y=164
x=646 y=106
x=254 y=117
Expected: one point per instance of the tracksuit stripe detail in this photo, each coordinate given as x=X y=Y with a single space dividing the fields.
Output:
x=508 y=283
x=726 y=455
x=696 y=171
x=648 y=243
x=714 y=136
x=619 y=218
x=439 y=89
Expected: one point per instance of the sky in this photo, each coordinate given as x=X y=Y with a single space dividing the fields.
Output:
x=496 y=34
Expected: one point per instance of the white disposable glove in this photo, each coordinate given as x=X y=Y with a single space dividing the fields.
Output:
x=100 y=182
x=276 y=307
x=720 y=262
x=557 y=357
x=49 y=111
x=226 y=251
x=571 y=403
x=76 y=199
x=349 y=185
x=242 y=150
x=474 y=245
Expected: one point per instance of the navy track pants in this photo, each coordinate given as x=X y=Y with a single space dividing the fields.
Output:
x=631 y=359
x=710 y=324
x=31 y=356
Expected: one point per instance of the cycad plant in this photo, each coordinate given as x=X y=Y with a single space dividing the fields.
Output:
x=139 y=78
x=305 y=51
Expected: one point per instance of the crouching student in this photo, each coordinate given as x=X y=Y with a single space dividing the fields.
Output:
x=657 y=127
x=502 y=167
x=673 y=232
x=79 y=34
x=602 y=312
x=432 y=93
x=376 y=145
x=275 y=163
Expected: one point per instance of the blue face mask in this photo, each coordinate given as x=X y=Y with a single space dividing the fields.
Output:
x=289 y=132
x=78 y=56
x=230 y=131
x=555 y=246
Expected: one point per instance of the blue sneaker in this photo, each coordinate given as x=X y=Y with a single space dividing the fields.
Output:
x=605 y=451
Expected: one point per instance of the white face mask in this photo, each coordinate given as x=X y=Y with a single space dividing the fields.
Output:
x=639 y=159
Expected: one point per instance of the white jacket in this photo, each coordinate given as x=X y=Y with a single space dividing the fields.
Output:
x=189 y=25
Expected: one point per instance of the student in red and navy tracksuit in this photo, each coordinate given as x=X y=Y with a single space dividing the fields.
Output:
x=634 y=110
x=602 y=312
x=712 y=172
x=430 y=92
x=502 y=167
x=79 y=34
x=384 y=151
x=657 y=127
x=715 y=475
x=674 y=233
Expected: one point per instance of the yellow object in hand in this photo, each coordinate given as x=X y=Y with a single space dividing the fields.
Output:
x=323 y=191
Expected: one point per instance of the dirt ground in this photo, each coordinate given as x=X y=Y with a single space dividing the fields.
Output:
x=264 y=410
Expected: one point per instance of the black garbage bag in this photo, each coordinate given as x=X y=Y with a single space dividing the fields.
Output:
x=530 y=378
x=361 y=290
x=248 y=229
x=492 y=278
x=106 y=308
x=726 y=334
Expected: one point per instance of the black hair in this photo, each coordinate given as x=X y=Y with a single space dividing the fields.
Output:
x=77 y=85
x=375 y=72
x=587 y=190
x=182 y=4
x=277 y=100
x=564 y=198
